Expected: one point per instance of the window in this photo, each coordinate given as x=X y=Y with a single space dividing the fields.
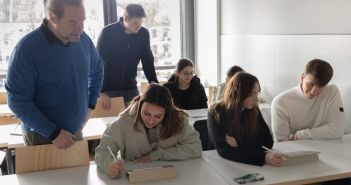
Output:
x=163 y=22
x=19 y=17
x=94 y=21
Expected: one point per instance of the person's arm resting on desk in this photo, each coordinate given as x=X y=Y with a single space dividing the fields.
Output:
x=238 y=154
x=334 y=126
x=280 y=121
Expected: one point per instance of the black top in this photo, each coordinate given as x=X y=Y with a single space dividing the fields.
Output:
x=122 y=53
x=249 y=150
x=192 y=98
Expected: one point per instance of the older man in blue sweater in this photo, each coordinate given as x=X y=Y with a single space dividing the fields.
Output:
x=54 y=77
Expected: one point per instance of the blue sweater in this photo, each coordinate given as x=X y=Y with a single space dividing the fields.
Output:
x=50 y=85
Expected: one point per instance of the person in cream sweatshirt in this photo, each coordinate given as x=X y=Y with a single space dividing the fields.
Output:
x=150 y=129
x=312 y=110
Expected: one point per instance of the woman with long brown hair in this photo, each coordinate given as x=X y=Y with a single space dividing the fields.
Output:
x=150 y=129
x=237 y=126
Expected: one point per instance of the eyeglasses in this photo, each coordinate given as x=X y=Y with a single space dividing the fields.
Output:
x=192 y=74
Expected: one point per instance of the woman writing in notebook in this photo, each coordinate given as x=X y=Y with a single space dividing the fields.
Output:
x=237 y=127
x=150 y=129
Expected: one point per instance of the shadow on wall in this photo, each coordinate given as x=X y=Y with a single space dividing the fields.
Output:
x=346 y=99
x=266 y=96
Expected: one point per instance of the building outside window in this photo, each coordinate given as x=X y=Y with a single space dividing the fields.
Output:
x=19 y=17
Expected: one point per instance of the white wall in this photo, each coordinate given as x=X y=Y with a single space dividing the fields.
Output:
x=274 y=39
x=207 y=41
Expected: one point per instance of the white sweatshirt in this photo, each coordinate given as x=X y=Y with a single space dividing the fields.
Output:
x=322 y=117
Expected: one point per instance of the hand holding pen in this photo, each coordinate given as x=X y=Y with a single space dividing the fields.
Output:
x=274 y=158
x=116 y=166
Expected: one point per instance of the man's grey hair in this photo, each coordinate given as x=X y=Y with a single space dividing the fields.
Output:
x=56 y=6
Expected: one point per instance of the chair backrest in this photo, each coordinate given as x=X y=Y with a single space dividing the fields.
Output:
x=46 y=157
x=8 y=120
x=211 y=93
x=206 y=140
x=143 y=86
x=3 y=97
x=116 y=106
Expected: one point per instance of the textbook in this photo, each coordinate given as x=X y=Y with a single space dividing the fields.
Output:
x=151 y=173
x=301 y=157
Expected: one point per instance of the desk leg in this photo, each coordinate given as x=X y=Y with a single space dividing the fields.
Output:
x=9 y=162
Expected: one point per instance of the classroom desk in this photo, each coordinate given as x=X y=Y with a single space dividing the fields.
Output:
x=5 y=136
x=94 y=129
x=335 y=163
x=195 y=171
x=5 y=110
x=196 y=114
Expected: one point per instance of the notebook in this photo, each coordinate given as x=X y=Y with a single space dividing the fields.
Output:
x=301 y=157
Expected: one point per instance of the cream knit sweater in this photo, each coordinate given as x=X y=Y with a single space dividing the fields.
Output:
x=322 y=117
x=121 y=136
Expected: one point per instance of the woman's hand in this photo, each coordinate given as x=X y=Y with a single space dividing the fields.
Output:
x=115 y=168
x=231 y=141
x=275 y=158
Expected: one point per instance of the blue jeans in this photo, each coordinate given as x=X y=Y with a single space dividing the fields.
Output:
x=127 y=95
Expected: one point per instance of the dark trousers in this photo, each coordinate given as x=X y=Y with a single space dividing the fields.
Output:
x=33 y=138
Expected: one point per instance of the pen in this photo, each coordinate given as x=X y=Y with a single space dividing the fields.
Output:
x=113 y=156
x=284 y=158
x=15 y=134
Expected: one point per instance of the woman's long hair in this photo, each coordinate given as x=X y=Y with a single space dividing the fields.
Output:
x=239 y=121
x=172 y=123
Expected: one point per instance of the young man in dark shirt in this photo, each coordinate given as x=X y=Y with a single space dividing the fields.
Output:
x=122 y=45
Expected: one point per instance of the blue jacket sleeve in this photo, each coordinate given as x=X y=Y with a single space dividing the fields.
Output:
x=238 y=154
x=95 y=77
x=20 y=85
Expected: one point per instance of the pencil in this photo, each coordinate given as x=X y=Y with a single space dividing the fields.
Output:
x=113 y=156
x=269 y=150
